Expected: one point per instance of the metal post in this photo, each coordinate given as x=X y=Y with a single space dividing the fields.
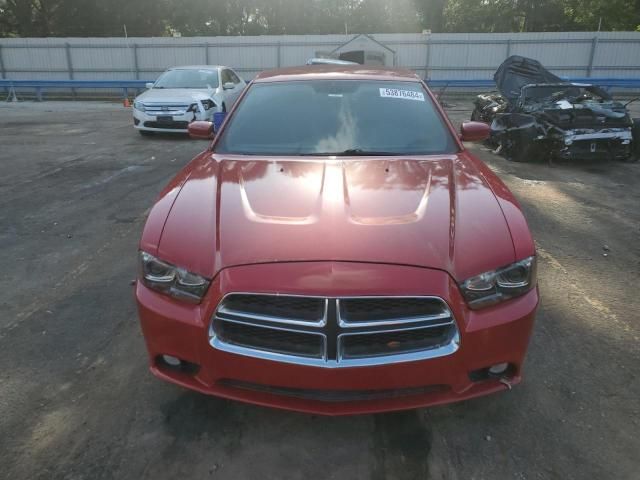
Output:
x=508 y=47
x=2 y=71
x=592 y=55
x=279 y=53
x=135 y=61
x=67 y=49
x=427 y=59
x=206 y=53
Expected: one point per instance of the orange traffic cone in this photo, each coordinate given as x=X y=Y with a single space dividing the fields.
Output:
x=126 y=102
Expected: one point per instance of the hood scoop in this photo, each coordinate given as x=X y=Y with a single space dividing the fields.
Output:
x=358 y=192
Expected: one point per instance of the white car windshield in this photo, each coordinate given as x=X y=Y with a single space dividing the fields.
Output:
x=188 y=79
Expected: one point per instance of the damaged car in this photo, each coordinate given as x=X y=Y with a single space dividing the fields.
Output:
x=536 y=114
x=183 y=95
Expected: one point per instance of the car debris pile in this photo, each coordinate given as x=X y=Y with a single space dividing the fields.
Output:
x=536 y=114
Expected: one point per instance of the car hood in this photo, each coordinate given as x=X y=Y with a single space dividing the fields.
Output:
x=434 y=212
x=516 y=72
x=174 y=95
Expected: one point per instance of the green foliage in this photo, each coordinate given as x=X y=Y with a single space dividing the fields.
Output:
x=30 y=18
x=612 y=14
x=518 y=16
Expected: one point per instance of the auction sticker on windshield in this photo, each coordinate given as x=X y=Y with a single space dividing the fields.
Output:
x=406 y=94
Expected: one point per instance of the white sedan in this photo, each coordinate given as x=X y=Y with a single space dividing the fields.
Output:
x=184 y=94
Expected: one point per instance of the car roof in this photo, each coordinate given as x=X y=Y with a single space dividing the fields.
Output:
x=197 y=67
x=337 y=72
x=329 y=61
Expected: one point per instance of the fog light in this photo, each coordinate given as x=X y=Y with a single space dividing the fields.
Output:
x=498 y=368
x=172 y=361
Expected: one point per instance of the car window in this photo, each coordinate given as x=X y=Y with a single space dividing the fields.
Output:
x=333 y=117
x=234 y=78
x=191 y=78
x=226 y=77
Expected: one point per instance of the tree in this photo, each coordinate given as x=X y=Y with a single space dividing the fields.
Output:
x=608 y=15
x=30 y=18
x=431 y=14
x=481 y=16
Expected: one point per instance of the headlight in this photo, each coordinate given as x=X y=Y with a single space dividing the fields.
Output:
x=497 y=286
x=138 y=106
x=171 y=280
x=208 y=104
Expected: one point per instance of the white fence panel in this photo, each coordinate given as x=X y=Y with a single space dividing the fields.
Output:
x=437 y=56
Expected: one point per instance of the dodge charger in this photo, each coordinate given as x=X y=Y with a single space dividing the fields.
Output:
x=337 y=250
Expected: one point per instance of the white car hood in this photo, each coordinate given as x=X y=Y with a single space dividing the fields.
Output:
x=186 y=95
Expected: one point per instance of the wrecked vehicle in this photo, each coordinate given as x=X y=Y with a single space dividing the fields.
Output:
x=536 y=114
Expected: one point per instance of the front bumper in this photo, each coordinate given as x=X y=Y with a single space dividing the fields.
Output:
x=613 y=143
x=495 y=335
x=178 y=123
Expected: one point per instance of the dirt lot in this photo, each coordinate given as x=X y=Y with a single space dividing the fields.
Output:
x=77 y=402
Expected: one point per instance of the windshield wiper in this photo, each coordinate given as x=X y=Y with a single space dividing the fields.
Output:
x=359 y=152
x=351 y=152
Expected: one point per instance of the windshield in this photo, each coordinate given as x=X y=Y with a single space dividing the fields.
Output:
x=188 y=79
x=336 y=117
x=563 y=92
x=550 y=92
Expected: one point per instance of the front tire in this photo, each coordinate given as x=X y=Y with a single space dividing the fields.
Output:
x=519 y=152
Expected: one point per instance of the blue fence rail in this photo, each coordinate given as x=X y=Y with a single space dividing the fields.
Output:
x=607 y=83
x=42 y=86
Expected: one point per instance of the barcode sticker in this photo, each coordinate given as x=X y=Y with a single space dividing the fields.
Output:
x=405 y=94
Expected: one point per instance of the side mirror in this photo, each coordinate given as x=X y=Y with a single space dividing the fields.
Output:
x=149 y=85
x=474 y=131
x=201 y=130
x=228 y=86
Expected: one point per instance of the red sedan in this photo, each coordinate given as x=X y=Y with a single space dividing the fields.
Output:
x=337 y=250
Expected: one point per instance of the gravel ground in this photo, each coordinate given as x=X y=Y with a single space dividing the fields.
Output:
x=77 y=401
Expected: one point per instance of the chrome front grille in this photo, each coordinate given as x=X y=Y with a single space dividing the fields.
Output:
x=334 y=332
x=375 y=311
x=166 y=108
x=273 y=339
x=289 y=310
